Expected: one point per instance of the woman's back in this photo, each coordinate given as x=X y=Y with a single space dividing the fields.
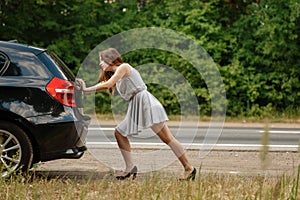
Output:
x=128 y=86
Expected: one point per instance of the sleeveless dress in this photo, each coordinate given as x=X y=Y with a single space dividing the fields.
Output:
x=144 y=110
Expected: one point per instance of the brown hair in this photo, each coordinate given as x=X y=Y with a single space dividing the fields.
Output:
x=113 y=58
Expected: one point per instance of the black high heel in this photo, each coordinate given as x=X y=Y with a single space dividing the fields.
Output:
x=133 y=172
x=191 y=176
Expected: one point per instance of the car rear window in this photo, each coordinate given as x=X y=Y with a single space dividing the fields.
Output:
x=56 y=65
x=24 y=64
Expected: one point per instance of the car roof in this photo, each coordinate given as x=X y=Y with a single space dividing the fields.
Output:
x=22 y=47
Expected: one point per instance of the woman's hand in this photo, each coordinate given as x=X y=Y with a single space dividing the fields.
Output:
x=80 y=84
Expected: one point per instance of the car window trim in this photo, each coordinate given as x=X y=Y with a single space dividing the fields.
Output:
x=6 y=64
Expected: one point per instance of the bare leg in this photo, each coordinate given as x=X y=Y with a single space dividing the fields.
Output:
x=164 y=133
x=125 y=149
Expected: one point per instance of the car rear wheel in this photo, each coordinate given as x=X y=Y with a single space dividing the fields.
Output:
x=16 y=150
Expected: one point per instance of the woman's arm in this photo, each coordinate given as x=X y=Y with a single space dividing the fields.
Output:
x=121 y=71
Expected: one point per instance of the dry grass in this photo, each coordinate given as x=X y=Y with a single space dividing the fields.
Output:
x=153 y=186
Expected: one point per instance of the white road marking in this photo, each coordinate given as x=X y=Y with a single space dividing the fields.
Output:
x=194 y=144
x=101 y=129
x=260 y=131
x=283 y=131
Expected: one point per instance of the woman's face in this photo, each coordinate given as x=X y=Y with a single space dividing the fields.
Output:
x=103 y=64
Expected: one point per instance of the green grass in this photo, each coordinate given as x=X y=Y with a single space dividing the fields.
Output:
x=154 y=186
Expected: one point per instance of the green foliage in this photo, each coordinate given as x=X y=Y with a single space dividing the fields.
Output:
x=255 y=45
x=266 y=48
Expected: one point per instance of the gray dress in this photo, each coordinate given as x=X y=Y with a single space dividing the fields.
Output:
x=144 y=110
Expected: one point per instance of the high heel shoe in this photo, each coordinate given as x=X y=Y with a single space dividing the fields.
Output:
x=191 y=176
x=132 y=172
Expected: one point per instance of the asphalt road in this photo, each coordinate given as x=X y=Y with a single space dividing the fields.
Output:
x=233 y=150
x=195 y=137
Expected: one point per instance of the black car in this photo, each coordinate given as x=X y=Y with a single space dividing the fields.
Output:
x=40 y=109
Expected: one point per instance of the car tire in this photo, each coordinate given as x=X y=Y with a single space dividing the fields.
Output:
x=16 y=151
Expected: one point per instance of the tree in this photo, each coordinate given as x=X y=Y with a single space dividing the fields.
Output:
x=254 y=43
x=266 y=48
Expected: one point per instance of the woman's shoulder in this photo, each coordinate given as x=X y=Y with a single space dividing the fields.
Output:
x=126 y=68
x=126 y=65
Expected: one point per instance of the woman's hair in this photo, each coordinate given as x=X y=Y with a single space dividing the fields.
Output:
x=113 y=58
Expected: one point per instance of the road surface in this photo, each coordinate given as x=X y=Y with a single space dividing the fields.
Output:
x=195 y=137
x=234 y=150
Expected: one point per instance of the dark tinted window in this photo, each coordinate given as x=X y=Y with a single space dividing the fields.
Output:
x=62 y=66
x=56 y=66
x=25 y=64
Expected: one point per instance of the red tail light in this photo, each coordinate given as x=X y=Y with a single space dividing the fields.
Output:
x=62 y=91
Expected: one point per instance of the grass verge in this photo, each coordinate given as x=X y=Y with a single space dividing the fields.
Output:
x=154 y=186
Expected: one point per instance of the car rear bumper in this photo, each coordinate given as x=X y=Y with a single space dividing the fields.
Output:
x=74 y=139
x=72 y=153
x=64 y=137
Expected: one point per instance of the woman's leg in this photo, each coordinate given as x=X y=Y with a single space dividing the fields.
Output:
x=125 y=149
x=164 y=133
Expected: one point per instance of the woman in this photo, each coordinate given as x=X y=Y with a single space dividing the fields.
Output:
x=144 y=110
